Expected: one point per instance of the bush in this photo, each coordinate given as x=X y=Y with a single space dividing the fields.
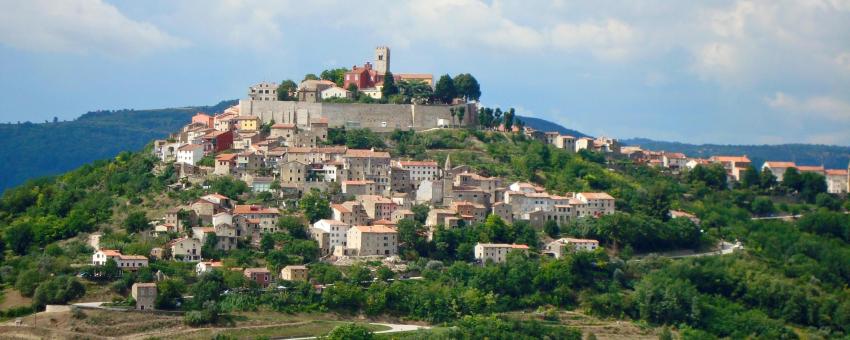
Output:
x=58 y=290
x=350 y=332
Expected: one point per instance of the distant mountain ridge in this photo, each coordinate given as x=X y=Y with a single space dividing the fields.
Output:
x=830 y=156
x=30 y=150
x=545 y=125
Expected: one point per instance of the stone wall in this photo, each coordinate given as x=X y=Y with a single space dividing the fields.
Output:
x=378 y=117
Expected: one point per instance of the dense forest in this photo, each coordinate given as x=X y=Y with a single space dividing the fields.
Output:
x=29 y=150
x=789 y=282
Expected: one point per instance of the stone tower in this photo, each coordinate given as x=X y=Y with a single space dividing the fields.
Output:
x=382 y=59
x=448 y=180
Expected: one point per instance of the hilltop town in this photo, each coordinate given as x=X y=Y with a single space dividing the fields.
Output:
x=364 y=184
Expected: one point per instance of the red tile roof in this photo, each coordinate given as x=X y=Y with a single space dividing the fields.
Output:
x=363 y=153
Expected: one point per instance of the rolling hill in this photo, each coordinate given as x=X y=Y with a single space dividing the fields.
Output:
x=29 y=150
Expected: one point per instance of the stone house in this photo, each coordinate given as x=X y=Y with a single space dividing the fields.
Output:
x=294 y=273
x=496 y=252
x=144 y=294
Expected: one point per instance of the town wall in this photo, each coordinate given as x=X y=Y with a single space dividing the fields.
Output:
x=377 y=117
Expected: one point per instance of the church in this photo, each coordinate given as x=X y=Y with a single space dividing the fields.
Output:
x=369 y=78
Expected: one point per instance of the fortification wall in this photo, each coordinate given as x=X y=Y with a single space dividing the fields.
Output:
x=377 y=117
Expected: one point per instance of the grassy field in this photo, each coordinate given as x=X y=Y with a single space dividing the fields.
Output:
x=96 y=324
x=11 y=298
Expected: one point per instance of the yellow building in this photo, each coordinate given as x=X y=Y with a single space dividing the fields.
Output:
x=249 y=123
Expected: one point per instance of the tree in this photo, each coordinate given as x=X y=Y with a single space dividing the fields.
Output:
x=420 y=212
x=315 y=206
x=136 y=221
x=267 y=243
x=467 y=86
x=827 y=201
x=445 y=91
x=792 y=179
x=350 y=331
x=762 y=206
x=58 y=290
x=293 y=225
x=812 y=184
x=310 y=76
x=509 y=119
x=336 y=75
x=19 y=237
x=169 y=294
x=355 y=92
x=208 y=249
x=657 y=201
x=552 y=229
x=389 y=89
x=286 y=90
x=767 y=180
x=412 y=236
x=750 y=178
x=461 y=111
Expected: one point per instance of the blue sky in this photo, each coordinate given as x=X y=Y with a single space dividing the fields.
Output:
x=753 y=72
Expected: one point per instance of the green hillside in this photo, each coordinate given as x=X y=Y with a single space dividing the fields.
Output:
x=30 y=150
x=789 y=281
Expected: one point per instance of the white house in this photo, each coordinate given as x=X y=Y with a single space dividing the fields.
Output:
x=777 y=168
x=190 y=153
x=206 y=267
x=335 y=92
x=128 y=262
x=836 y=181
x=597 y=203
x=560 y=247
x=496 y=252
x=337 y=232
x=185 y=249
x=420 y=170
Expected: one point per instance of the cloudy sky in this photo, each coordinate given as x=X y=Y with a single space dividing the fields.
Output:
x=770 y=71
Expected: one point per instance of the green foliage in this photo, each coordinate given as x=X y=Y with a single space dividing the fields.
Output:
x=95 y=136
x=136 y=221
x=350 y=331
x=293 y=225
x=762 y=206
x=58 y=290
x=711 y=176
x=412 y=237
x=310 y=76
x=169 y=294
x=444 y=90
x=467 y=86
x=227 y=186
x=484 y=327
x=336 y=75
x=390 y=88
x=286 y=90
x=552 y=229
x=315 y=205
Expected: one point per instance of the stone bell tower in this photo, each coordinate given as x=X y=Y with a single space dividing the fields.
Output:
x=382 y=59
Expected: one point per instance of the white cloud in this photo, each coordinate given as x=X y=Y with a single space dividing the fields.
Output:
x=825 y=107
x=78 y=26
x=609 y=39
x=843 y=60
